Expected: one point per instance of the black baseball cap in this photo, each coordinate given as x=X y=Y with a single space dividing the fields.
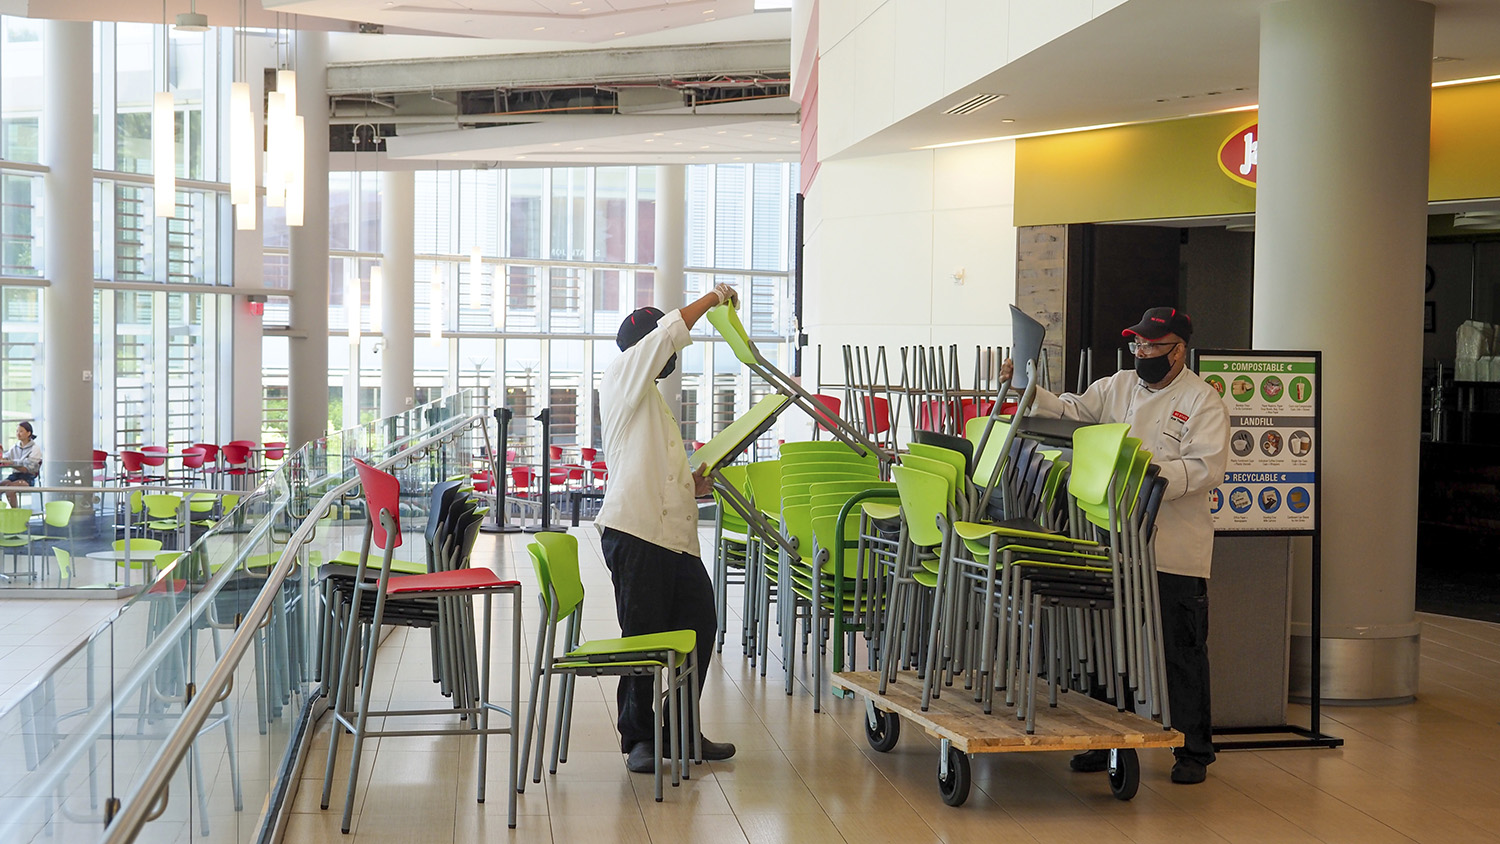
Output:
x=642 y=321
x=1159 y=322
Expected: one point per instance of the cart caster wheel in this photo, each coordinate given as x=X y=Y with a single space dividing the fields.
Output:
x=884 y=732
x=955 y=786
x=1124 y=774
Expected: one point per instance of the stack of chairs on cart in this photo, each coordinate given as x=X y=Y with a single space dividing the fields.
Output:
x=1026 y=563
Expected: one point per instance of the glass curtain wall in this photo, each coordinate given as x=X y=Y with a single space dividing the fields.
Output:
x=564 y=255
x=158 y=312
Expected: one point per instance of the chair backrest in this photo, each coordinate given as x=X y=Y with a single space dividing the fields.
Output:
x=729 y=519
x=100 y=459
x=924 y=497
x=382 y=493
x=949 y=442
x=57 y=513
x=588 y=455
x=162 y=505
x=210 y=451
x=131 y=461
x=245 y=443
x=13 y=519
x=941 y=468
x=137 y=543
x=274 y=450
x=521 y=476
x=560 y=551
x=192 y=457
x=727 y=321
x=877 y=410
x=64 y=562
x=1096 y=452
x=832 y=405
x=764 y=480
x=555 y=452
x=164 y=560
x=984 y=464
x=154 y=455
x=943 y=455
x=235 y=454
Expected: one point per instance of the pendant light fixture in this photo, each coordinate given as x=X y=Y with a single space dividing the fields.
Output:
x=497 y=312
x=285 y=138
x=163 y=132
x=377 y=274
x=242 y=140
x=297 y=172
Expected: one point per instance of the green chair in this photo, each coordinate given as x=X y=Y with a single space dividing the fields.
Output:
x=670 y=658
x=141 y=545
x=163 y=516
x=15 y=532
x=731 y=551
x=56 y=514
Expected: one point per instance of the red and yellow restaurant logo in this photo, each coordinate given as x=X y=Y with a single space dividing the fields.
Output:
x=1237 y=155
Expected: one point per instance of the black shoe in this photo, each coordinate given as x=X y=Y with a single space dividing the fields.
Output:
x=1189 y=771
x=640 y=760
x=713 y=751
x=1090 y=761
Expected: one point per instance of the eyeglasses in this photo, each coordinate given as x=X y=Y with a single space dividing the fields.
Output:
x=1151 y=349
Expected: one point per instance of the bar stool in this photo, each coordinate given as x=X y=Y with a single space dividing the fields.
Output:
x=382 y=493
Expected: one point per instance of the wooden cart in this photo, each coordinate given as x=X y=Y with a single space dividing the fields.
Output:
x=1077 y=723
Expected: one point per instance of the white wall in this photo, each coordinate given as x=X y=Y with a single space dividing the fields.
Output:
x=883 y=60
x=884 y=237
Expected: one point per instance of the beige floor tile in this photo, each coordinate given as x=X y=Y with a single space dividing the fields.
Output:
x=776 y=828
x=600 y=829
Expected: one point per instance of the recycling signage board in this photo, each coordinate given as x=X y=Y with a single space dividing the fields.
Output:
x=1274 y=403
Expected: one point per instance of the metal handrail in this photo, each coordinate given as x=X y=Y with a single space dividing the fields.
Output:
x=136 y=809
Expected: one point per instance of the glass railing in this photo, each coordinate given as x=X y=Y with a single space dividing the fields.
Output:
x=179 y=717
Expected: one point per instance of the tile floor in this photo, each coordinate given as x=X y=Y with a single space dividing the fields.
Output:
x=34 y=634
x=1421 y=772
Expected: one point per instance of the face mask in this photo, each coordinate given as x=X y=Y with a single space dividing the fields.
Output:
x=667 y=370
x=1153 y=370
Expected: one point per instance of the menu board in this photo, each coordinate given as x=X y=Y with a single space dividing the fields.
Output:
x=1273 y=399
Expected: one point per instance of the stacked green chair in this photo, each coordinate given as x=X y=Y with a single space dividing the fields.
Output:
x=731 y=551
x=670 y=658
x=763 y=479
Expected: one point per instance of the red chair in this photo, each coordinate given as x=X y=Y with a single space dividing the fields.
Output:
x=274 y=450
x=192 y=463
x=234 y=459
x=101 y=466
x=832 y=404
x=588 y=455
x=132 y=467
x=155 y=456
x=481 y=480
x=555 y=452
x=520 y=478
x=382 y=494
x=210 y=458
x=600 y=471
x=877 y=416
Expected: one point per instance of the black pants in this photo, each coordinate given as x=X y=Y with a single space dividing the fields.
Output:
x=1184 y=626
x=656 y=590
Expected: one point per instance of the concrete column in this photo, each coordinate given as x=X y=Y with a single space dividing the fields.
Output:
x=671 y=252
x=1341 y=233
x=398 y=202
x=67 y=429
x=308 y=391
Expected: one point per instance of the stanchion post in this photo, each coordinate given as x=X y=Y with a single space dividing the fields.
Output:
x=545 y=480
x=500 y=469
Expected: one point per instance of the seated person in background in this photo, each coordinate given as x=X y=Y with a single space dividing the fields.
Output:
x=24 y=459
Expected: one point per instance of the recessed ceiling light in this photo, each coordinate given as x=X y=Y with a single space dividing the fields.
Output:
x=677 y=143
x=738 y=158
x=520 y=158
x=708 y=19
x=708 y=11
x=1007 y=120
x=749 y=135
x=576 y=3
x=538 y=28
x=770 y=139
x=619 y=33
x=705 y=146
x=658 y=134
x=648 y=140
x=722 y=132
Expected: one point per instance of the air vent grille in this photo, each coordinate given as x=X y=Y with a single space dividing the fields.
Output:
x=973 y=104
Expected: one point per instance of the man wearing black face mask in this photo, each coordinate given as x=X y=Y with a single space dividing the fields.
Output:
x=1181 y=420
x=649 y=519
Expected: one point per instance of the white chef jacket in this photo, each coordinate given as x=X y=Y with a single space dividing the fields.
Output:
x=650 y=494
x=1186 y=428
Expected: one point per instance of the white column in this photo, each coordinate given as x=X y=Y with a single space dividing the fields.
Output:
x=398 y=202
x=1341 y=233
x=671 y=251
x=246 y=390
x=67 y=424
x=308 y=376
